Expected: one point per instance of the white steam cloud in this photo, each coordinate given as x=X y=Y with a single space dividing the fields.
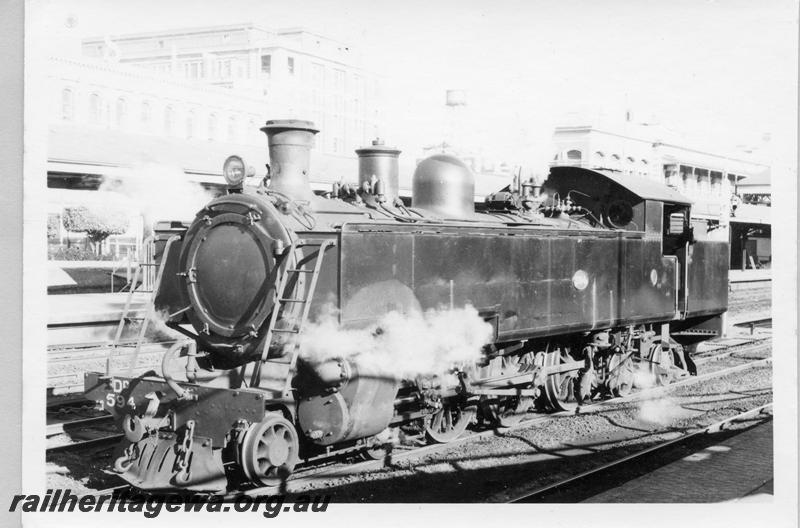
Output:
x=661 y=411
x=402 y=345
x=160 y=192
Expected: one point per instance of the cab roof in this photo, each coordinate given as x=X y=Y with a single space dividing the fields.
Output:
x=638 y=185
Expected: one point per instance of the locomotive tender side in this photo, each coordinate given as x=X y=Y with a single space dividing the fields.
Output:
x=584 y=280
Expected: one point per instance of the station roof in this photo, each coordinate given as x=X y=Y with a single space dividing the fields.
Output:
x=752 y=214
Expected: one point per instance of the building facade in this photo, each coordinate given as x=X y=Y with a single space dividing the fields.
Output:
x=120 y=112
x=710 y=179
x=298 y=73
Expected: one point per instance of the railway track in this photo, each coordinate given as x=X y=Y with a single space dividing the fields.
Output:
x=100 y=443
x=310 y=475
x=79 y=427
x=596 y=480
x=399 y=453
x=752 y=324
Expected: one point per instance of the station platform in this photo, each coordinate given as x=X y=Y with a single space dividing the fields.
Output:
x=749 y=276
x=739 y=468
x=90 y=307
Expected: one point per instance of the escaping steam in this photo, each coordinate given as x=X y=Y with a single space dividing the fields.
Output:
x=661 y=411
x=159 y=192
x=402 y=345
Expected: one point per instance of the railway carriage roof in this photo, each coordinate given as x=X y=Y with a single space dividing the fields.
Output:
x=638 y=185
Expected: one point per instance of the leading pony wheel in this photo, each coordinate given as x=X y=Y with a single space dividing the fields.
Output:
x=269 y=451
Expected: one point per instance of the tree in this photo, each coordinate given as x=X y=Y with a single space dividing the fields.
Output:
x=98 y=223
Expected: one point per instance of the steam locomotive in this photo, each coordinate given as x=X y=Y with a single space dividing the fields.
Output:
x=585 y=281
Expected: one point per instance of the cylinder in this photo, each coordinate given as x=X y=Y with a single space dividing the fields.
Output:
x=380 y=161
x=445 y=186
x=290 y=142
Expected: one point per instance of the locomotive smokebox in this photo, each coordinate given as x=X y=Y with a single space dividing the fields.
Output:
x=380 y=161
x=445 y=186
x=290 y=142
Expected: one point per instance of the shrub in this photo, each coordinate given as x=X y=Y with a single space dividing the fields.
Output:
x=98 y=223
x=74 y=253
x=52 y=226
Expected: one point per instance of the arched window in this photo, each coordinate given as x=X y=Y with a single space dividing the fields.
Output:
x=146 y=112
x=232 y=137
x=574 y=155
x=67 y=105
x=190 y=125
x=94 y=108
x=169 y=120
x=212 y=127
x=122 y=112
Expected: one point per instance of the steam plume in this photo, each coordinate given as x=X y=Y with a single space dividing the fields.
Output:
x=160 y=192
x=402 y=345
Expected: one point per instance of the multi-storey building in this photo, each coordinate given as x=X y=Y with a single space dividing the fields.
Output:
x=122 y=109
x=709 y=179
x=297 y=72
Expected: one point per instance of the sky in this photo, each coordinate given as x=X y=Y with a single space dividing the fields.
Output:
x=722 y=74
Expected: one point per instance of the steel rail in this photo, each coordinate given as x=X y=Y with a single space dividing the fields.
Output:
x=637 y=456
x=103 y=441
x=65 y=427
x=394 y=456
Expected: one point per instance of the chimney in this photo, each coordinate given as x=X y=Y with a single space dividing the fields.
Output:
x=290 y=142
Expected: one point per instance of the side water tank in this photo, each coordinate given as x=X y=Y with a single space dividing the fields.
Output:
x=444 y=186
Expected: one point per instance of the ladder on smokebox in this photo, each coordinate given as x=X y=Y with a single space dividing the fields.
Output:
x=150 y=309
x=291 y=326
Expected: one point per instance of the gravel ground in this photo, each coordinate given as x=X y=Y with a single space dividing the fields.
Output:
x=499 y=468
x=757 y=299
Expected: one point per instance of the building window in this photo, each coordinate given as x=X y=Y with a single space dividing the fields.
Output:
x=290 y=65
x=67 y=105
x=252 y=131
x=212 y=127
x=122 y=112
x=671 y=176
x=266 y=64
x=716 y=184
x=339 y=80
x=193 y=69
x=574 y=155
x=146 y=112
x=318 y=75
x=169 y=120
x=232 y=130
x=94 y=108
x=190 y=125
x=224 y=68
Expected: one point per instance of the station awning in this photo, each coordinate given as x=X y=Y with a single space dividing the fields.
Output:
x=752 y=214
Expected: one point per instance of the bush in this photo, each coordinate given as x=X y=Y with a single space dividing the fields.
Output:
x=74 y=253
x=98 y=223
x=52 y=226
